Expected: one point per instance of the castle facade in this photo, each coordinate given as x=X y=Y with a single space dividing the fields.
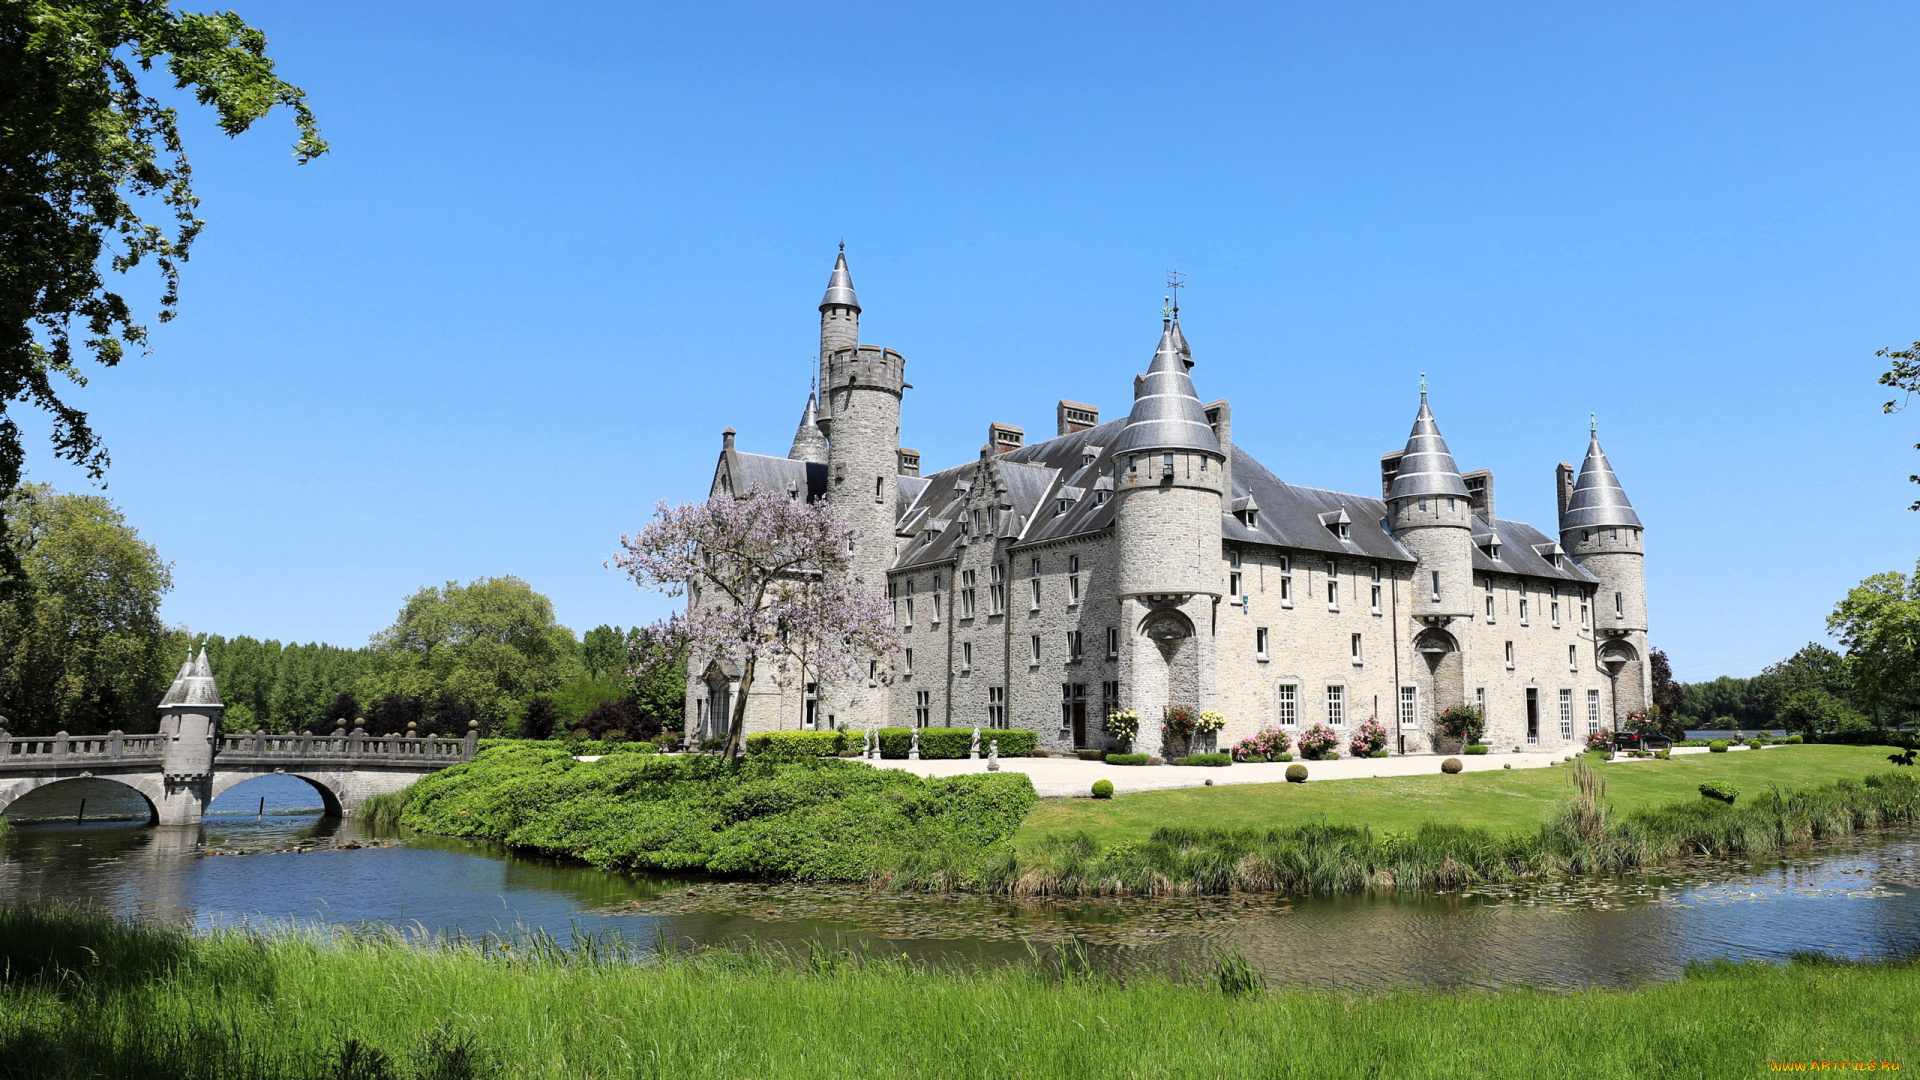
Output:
x=1146 y=561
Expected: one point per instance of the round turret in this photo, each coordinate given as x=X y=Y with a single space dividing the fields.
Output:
x=839 y=318
x=1601 y=532
x=863 y=389
x=1431 y=515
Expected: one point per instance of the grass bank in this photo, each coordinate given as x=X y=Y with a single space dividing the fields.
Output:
x=86 y=996
x=1507 y=801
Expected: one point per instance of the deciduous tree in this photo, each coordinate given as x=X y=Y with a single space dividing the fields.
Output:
x=770 y=585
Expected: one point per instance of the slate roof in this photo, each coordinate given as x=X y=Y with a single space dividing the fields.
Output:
x=774 y=473
x=1598 y=500
x=194 y=684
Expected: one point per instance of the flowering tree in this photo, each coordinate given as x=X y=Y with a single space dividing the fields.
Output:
x=769 y=583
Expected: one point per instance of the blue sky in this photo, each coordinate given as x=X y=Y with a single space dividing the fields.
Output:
x=556 y=250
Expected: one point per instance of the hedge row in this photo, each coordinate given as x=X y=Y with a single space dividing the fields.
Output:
x=950 y=742
x=797 y=745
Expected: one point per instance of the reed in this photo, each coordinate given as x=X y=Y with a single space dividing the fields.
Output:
x=85 y=995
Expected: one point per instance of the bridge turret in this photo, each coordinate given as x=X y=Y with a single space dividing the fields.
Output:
x=190 y=733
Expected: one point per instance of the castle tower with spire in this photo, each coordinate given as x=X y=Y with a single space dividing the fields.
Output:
x=1169 y=480
x=839 y=319
x=1430 y=513
x=1600 y=531
x=190 y=725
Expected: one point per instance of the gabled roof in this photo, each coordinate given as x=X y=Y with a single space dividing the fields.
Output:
x=1523 y=550
x=1290 y=516
x=740 y=471
x=1598 y=500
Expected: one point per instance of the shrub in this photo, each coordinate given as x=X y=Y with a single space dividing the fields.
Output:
x=1793 y=740
x=1382 y=752
x=1210 y=760
x=1209 y=722
x=536 y=720
x=1281 y=757
x=1268 y=744
x=1123 y=724
x=1717 y=746
x=1089 y=755
x=713 y=742
x=953 y=742
x=1254 y=759
x=1367 y=738
x=1179 y=719
x=1725 y=793
x=1296 y=774
x=1126 y=759
x=1599 y=740
x=1451 y=765
x=1754 y=744
x=1477 y=749
x=1463 y=722
x=792 y=745
x=1663 y=755
x=1317 y=740
x=1103 y=789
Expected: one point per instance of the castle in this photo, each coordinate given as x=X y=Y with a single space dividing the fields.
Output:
x=1147 y=561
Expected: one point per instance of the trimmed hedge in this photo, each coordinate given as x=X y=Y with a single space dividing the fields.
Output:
x=952 y=742
x=1477 y=749
x=1103 y=789
x=1717 y=746
x=1296 y=774
x=1382 y=752
x=1451 y=765
x=1212 y=761
x=1725 y=793
x=1126 y=759
x=819 y=819
x=795 y=745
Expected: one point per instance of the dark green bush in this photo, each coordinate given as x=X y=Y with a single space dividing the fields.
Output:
x=820 y=819
x=1663 y=755
x=1793 y=740
x=1255 y=759
x=1296 y=774
x=1717 y=746
x=1382 y=752
x=1103 y=789
x=1281 y=757
x=1451 y=765
x=1754 y=744
x=1713 y=789
x=1126 y=759
x=714 y=742
x=792 y=745
x=1213 y=761
x=1089 y=755
x=952 y=742
x=1477 y=749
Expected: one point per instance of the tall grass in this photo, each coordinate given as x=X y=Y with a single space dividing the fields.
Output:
x=1584 y=836
x=82 y=995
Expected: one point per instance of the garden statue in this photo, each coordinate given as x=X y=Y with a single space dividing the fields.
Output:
x=973 y=748
x=993 y=756
x=913 y=751
x=873 y=744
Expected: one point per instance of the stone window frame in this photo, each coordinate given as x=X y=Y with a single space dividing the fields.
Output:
x=1491 y=616
x=1336 y=695
x=923 y=708
x=907 y=670
x=1034 y=645
x=1113 y=643
x=1286 y=706
x=1566 y=714
x=1357 y=644
x=1593 y=710
x=1260 y=642
x=1286 y=581
x=966 y=658
x=1509 y=655
x=1409 y=706
x=1573 y=657
x=1523 y=602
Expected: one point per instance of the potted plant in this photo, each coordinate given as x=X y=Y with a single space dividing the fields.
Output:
x=1207 y=726
x=1178 y=722
x=1462 y=723
x=1123 y=725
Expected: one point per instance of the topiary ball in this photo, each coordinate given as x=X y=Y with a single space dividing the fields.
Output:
x=1296 y=774
x=1103 y=789
x=1717 y=746
x=1451 y=765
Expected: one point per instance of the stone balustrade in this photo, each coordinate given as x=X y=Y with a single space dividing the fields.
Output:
x=253 y=747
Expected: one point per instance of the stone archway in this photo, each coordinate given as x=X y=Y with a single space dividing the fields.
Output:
x=1622 y=663
x=1441 y=674
x=1175 y=679
x=331 y=798
x=11 y=791
x=719 y=701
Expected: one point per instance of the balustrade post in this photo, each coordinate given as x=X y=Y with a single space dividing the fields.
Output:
x=116 y=743
x=61 y=744
x=472 y=740
x=357 y=742
x=6 y=744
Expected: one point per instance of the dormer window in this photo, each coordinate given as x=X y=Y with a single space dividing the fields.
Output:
x=1087 y=459
x=1099 y=498
x=1345 y=531
x=1249 y=517
x=1166 y=464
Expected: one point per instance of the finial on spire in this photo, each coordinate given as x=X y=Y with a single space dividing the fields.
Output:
x=1593 y=425
x=1166 y=310
x=1423 y=384
x=843 y=245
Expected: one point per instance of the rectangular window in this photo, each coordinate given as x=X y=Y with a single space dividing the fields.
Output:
x=923 y=708
x=1233 y=588
x=1034 y=641
x=813 y=705
x=1035 y=585
x=1073 y=589
x=1566 y=716
x=966 y=657
x=1509 y=656
x=1113 y=643
x=997 y=589
x=1260 y=642
x=1573 y=658
x=1375 y=574
x=1533 y=716
x=1337 y=706
x=1286 y=581
x=1073 y=704
x=1073 y=564
x=1036 y=569
x=1073 y=646
x=1593 y=711
x=1376 y=599
x=1489 y=599
x=936 y=609
x=1233 y=558
x=1409 y=706
x=996 y=706
x=1523 y=603
x=1109 y=698
x=1333 y=594
x=1480 y=701
x=908 y=625
x=966 y=594
x=909 y=670
x=1584 y=616
x=1358 y=656
x=1166 y=464
x=1553 y=597
x=1619 y=607
x=1436 y=584
x=1288 y=696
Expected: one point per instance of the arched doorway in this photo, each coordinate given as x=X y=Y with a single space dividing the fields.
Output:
x=1441 y=675
x=1176 y=678
x=1621 y=661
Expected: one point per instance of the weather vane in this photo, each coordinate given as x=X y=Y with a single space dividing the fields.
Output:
x=1175 y=282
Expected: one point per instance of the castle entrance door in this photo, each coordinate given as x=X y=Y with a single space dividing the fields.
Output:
x=1073 y=711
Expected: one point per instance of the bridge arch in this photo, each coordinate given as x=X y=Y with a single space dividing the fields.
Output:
x=328 y=787
x=148 y=788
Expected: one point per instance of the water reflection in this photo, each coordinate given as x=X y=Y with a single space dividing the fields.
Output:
x=1862 y=900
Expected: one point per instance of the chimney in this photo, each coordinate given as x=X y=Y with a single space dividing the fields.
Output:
x=909 y=462
x=1220 y=418
x=1005 y=437
x=1480 y=492
x=726 y=439
x=1389 y=468
x=1072 y=416
x=1563 y=487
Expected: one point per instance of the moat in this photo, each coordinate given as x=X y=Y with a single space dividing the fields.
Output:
x=283 y=862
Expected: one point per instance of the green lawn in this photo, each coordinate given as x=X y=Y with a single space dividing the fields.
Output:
x=1502 y=799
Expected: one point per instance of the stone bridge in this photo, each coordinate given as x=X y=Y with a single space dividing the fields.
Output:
x=344 y=767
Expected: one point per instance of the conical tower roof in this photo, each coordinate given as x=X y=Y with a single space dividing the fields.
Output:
x=1598 y=500
x=840 y=285
x=194 y=684
x=808 y=443
x=1427 y=468
x=1166 y=410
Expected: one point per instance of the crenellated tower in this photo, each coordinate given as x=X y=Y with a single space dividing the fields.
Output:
x=1599 y=529
x=190 y=729
x=1169 y=479
x=1431 y=516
